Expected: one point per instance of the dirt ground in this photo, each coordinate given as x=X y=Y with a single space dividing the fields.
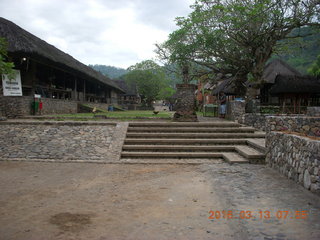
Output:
x=123 y=201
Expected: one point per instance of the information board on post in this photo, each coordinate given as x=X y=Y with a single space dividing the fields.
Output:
x=12 y=87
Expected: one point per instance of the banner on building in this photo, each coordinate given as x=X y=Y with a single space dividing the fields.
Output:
x=12 y=87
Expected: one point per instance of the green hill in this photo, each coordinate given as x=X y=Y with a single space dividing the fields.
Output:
x=109 y=71
x=300 y=52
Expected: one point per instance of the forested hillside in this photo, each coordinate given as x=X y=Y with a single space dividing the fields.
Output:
x=301 y=52
x=109 y=71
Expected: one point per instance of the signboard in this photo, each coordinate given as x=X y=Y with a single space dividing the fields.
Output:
x=12 y=87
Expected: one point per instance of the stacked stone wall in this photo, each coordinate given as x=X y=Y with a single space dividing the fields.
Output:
x=58 y=106
x=55 y=140
x=296 y=157
x=15 y=107
x=186 y=103
x=235 y=110
x=255 y=120
x=313 y=111
x=305 y=125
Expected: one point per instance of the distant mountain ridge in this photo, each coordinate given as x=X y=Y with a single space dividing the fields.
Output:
x=109 y=71
x=301 y=52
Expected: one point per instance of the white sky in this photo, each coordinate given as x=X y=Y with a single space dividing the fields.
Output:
x=111 y=32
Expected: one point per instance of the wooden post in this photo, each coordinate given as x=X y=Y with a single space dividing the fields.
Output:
x=283 y=104
x=84 y=90
x=75 y=89
x=33 y=71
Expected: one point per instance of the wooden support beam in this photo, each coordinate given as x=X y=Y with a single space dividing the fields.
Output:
x=84 y=90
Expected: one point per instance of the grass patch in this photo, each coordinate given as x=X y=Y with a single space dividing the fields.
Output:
x=127 y=115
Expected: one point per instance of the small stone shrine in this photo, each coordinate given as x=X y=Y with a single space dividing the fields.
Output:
x=185 y=103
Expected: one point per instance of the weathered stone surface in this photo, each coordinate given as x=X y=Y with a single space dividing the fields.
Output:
x=55 y=141
x=185 y=105
x=309 y=126
x=306 y=179
x=295 y=157
x=15 y=107
x=255 y=120
x=313 y=111
x=235 y=110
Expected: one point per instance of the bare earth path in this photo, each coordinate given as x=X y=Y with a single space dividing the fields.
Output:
x=123 y=201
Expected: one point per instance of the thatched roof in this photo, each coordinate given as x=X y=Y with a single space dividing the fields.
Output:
x=295 y=84
x=128 y=91
x=227 y=86
x=21 y=42
x=271 y=71
x=278 y=67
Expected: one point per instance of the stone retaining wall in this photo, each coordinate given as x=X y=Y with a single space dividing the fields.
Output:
x=301 y=124
x=15 y=107
x=313 y=111
x=296 y=157
x=58 y=106
x=58 y=141
x=256 y=120
x=235 y=110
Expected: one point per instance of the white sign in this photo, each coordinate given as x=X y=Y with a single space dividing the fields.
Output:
x=12 y=87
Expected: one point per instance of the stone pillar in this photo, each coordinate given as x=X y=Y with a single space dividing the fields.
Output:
x=186 y=103
x=235 y=110
x=253 y=106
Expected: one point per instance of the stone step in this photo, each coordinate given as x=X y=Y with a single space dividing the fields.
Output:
x=167 y=148
x=234 y=158
x=170 y=160
x=125 y=154
x=258 y=144
x=195 y=141
x=184 y=124
x=249 y=152
x=190 y=130
x=195 y=135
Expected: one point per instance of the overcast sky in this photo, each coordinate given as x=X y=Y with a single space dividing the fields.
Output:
x=111 y=32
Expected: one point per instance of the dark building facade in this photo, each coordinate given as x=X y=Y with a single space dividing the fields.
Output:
x=60 y=80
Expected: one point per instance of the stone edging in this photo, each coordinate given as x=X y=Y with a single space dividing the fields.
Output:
x=60 y=123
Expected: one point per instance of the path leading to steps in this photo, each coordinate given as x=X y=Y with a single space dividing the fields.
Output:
x=158 y=201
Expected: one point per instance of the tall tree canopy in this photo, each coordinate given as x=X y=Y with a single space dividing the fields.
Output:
x=5 y=67
x=236 y=36
x=315 y=68
x=150 y=80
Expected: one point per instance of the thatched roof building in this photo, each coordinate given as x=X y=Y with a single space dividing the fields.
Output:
x=278 y=67
x=227 y=86
x=24 y=44
x=272 y=70
x=295 y=84
x=128 y=91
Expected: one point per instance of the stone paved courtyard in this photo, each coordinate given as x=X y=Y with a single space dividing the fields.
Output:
x=51 y=191
x=134 y=201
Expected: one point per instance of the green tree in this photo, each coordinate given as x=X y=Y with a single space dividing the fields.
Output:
x=149 y=78
x=238 y=36
x=5 y=67
x=166 y=92
x=315 y=68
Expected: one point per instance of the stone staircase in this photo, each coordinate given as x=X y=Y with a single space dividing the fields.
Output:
x=199 y=142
